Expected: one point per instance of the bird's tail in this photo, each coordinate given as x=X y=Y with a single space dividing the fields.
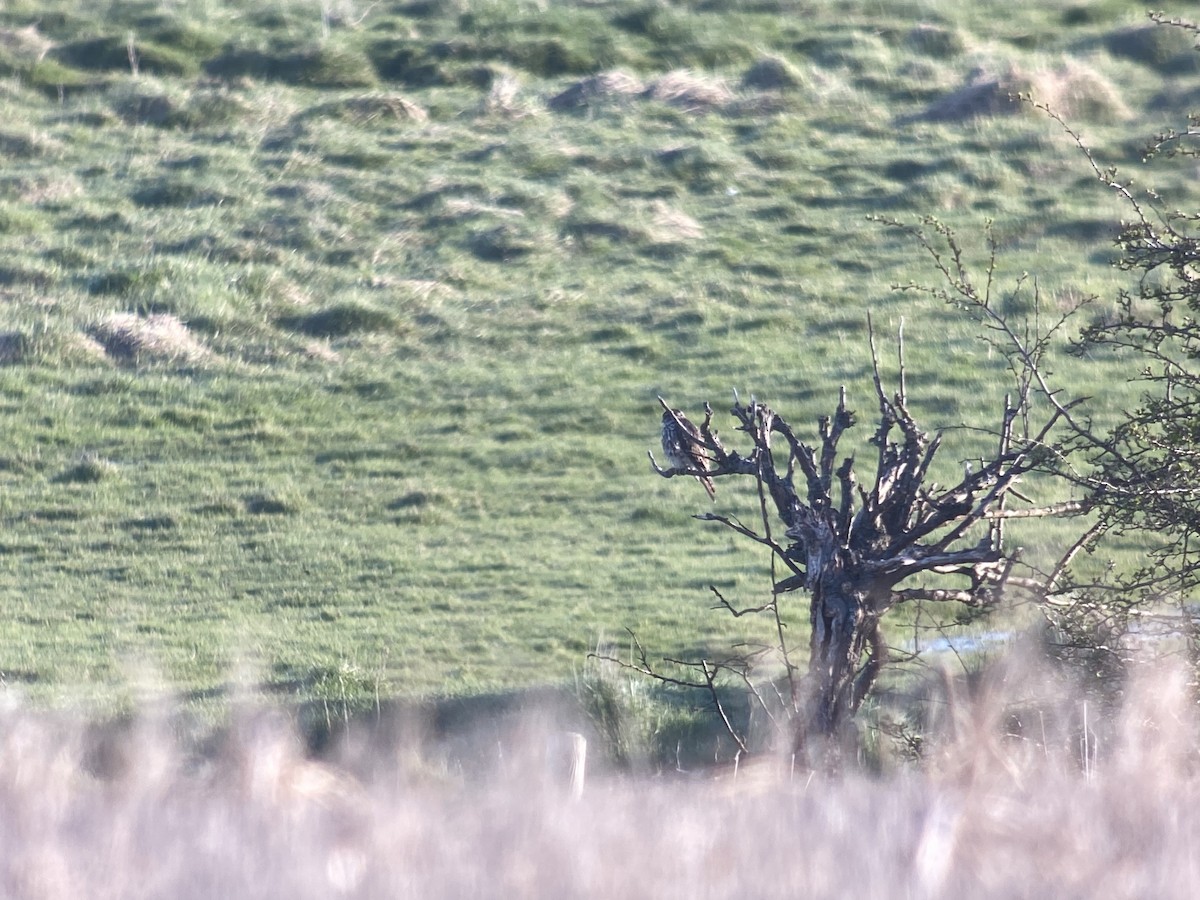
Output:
x=708 y=486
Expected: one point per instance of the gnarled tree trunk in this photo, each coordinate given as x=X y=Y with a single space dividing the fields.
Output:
x=853 y=547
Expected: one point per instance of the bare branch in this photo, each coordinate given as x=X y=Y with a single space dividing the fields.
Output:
x=754 y=692
x=710 y=675
x=1086 y=538
x=746 y=532
x=737 y=612
x=1054 y=510
x=732 y=467
x=942 y=595
x=708 y=669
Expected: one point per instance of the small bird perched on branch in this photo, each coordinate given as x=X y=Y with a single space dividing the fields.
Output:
x=681 y=443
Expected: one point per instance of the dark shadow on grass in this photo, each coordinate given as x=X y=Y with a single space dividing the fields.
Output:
x=266 y=505
x=475 y=734
x=340 y=320
x=325 y=66
x=151 y=523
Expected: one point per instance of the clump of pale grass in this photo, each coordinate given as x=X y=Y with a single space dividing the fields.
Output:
x=28 y=144
x=47 y=341
x=936 y=41
x=504 y=97
x=1078 y=92
x=1029 y=790
x=986 y=92
x=668 y=225
x=26 y=44
x=320 y=351
x=368 y=109
x=87 y=468
x=597 y=90
x=690 y=91
x=1072 y=89
x=133 y=338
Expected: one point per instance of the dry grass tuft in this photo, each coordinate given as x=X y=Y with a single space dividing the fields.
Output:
x=48 y=189
x=131 y=338
x=504 y=97
x=1079 y=92
x=691 y=91
x=39 y=343
x=669 y=225
x=28 y=145
x=320 y=351
x=597 y=90
x=935 y=41
x=985 y=93
x=26 y=44
x=1072 y=89
x=368 y=109
x=86 y=347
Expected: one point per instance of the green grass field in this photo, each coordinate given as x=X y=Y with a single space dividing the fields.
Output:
x=332 y=331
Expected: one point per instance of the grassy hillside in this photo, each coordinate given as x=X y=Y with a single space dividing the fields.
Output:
x=332 y=331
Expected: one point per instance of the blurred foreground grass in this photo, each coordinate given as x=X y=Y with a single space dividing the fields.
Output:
x=1025 y=790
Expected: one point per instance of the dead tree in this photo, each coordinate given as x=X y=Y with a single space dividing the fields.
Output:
x=858 y=548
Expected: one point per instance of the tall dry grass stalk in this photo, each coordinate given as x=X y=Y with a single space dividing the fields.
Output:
x=1022 y=794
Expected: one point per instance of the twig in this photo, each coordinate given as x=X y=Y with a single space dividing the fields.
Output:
x=710 y=676
x=722 y=603
x=741 y=529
